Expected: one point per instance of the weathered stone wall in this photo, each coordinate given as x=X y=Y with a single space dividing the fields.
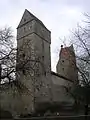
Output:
x=59 y=91
x=15 y=100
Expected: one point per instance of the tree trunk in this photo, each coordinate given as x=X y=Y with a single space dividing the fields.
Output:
x=86 y=111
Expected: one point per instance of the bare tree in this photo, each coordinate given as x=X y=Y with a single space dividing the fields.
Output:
x=81 y=41
x=82 y=46
x=13 y=60
x=7 y=55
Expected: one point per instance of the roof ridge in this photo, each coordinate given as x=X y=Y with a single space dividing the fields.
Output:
x=35 y=17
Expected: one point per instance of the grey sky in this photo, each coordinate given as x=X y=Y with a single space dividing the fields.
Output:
x=59 y=16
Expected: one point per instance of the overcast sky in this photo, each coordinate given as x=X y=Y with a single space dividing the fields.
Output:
x=59 y=16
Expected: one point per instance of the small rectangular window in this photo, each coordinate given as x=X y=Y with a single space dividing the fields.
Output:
x=24 y=20
x=62 y=60
x=23 y=72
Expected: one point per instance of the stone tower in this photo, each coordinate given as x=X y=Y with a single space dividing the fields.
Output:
x=66 y=65
x=33 y=57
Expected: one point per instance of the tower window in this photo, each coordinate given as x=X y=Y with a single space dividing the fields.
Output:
x=23 y=72
x=63 y=69
x=23 y=55
x=45 y=73
x=24 y=20
x=43 y=57
x=30 y=27
x=62 y=60
x=24 y=28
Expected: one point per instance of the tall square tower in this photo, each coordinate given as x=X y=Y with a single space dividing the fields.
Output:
x=33 y=57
